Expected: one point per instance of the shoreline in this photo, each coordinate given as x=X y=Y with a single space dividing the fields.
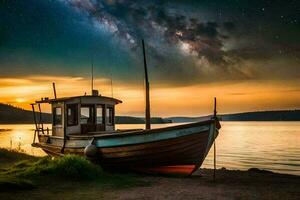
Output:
x=47 y=183
x=229 y=184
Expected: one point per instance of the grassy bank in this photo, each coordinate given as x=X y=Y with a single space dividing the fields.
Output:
x=21 y=171
x=72 y=177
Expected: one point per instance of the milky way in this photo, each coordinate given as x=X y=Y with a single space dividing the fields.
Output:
x=190 y=41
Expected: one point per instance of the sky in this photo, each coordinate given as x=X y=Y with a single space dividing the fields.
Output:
x=245 y=53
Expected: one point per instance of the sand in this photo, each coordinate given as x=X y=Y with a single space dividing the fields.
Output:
x=253 y=184
x=229 y=184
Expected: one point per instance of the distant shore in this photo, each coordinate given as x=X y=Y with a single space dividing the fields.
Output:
x=27 y=177
x=13 y=115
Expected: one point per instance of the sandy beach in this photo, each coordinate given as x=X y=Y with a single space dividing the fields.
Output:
x=229 y=184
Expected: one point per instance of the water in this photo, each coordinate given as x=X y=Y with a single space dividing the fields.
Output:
x=272 y=146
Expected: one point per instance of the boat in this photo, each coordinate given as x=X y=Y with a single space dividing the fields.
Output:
x=85 y=125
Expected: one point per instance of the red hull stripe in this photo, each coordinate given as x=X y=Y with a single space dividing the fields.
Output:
x=174 y=169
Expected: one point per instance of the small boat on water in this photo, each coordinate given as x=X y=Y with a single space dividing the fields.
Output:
x=85 y=125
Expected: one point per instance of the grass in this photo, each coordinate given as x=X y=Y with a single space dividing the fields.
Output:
x=28 y=172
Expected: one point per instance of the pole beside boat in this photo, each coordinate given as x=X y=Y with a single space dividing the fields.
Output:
x=35 y=122
x=215 y=156
x=40 y=118
x=147 y=111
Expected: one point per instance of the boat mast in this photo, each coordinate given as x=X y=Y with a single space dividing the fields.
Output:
x=147 y=112
x=54 y=90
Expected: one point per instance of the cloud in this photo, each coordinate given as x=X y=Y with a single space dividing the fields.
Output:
x=169 y=33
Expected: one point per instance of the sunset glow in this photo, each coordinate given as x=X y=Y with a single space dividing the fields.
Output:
x=165 y=101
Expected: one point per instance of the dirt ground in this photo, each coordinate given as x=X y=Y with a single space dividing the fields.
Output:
x=229 y=184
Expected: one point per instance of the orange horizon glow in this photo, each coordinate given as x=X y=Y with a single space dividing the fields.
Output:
x=194 y=100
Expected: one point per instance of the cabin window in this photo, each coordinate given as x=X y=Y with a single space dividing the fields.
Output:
x=72 y=110
x=57 y=118
x=110 y=115
x=99 y=114
x=87 y=114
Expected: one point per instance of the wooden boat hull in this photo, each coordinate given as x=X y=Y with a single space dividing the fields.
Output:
x=172 y=150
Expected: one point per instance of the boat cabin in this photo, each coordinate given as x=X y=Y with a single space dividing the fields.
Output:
x=81 y=115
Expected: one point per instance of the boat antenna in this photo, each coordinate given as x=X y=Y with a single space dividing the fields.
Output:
x=111 y=82
x=92 y=73
x=147 y=111
x=111 y=86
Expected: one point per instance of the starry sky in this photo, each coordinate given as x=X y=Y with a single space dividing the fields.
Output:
x=247 y=53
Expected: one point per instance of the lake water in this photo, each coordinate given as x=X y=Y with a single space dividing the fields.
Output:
x=272 y=146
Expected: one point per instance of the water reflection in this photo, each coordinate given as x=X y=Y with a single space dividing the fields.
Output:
x=19 y=136
x=240 y=145
x=266 y=145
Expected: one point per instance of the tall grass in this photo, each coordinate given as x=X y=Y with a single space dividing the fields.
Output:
x=29 y=172
x=69 y=166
